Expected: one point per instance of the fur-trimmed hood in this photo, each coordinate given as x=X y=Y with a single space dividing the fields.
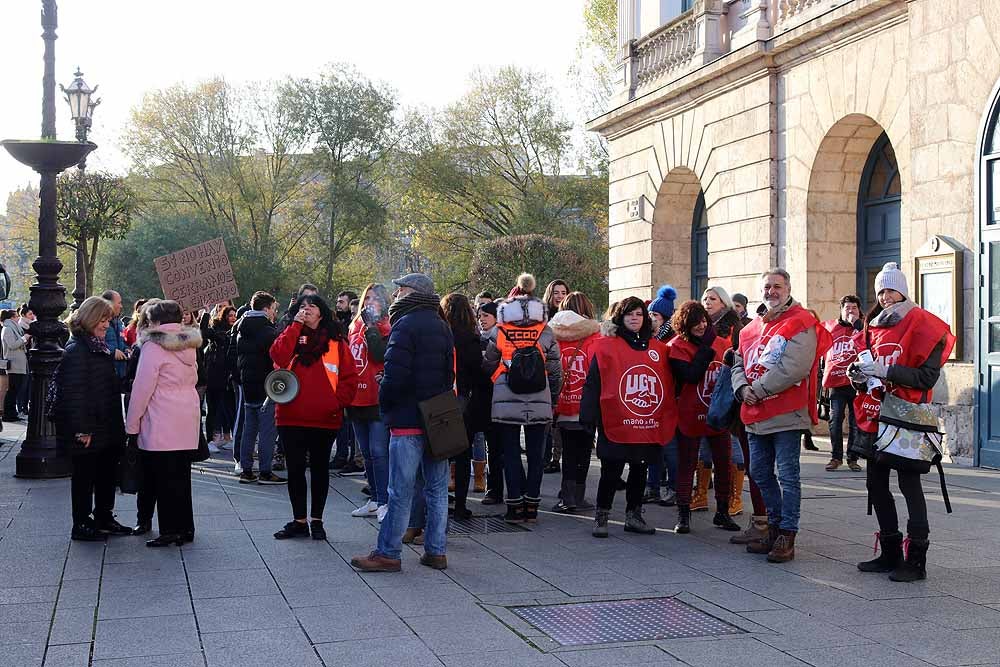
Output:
x=521 y=311
x=570 y=326
x=609 y=329
x=172 y=337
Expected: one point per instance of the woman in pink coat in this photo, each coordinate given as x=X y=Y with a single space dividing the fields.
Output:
x=164 y=411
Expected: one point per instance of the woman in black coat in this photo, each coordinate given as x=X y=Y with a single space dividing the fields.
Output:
x=461 y=318
x=220 y=397
x=87 y=411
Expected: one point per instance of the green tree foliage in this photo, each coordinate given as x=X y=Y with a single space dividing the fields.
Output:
x=497 y=263
x=126 y=264
x=491 y=164
x=91 y=207
x=350 y=123
x=230 y=156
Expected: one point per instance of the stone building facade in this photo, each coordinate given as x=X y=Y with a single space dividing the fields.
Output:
x=824 y=136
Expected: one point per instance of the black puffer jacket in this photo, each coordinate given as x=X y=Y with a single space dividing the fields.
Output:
x=88 y=398
x=216 y=360
x=254 y=336
x=418 y=364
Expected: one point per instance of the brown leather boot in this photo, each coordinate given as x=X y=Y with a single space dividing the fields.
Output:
x=763 y=546
x=784 y=548
x=479 y=478
x=376 y=562
x=756 y=530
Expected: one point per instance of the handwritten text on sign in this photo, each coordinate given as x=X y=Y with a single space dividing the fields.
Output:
x=197 y=276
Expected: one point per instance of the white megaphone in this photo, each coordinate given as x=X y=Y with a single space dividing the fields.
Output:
x=281 y=386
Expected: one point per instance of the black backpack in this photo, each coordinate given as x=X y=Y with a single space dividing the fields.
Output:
x=526 y=373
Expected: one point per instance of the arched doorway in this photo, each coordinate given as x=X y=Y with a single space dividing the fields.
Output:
x=879 y=200
x=699 y=248
x=671 y=259
x=989 y=291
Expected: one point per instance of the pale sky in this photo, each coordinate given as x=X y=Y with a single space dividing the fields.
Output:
x=425 y=50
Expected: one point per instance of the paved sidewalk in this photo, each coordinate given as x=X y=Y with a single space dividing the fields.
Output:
x=238 y=597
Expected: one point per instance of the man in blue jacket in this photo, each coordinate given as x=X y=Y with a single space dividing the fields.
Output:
x=419 y=364
x=115 y=335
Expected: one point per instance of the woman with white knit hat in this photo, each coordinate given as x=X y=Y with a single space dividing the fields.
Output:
x=908 y=347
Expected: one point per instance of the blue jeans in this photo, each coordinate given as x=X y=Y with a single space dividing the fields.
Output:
x=479 y=447
x=373 y=439
x=522 y=487
x=841 y=401
x=345 y=442
x=406 y=457
x=669 y=459
x=258 y=426
x=782 y=494
x=737 y=453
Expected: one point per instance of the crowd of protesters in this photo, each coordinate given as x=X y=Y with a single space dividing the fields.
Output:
x=542 y=383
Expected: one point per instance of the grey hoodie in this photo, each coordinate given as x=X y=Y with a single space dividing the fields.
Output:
x=511 y=408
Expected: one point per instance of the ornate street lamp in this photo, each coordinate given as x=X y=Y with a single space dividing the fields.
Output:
x=81 y=109
x=41 y=455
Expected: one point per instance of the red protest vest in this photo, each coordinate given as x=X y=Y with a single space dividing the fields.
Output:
x=908 y=343
x=637 y=393
x=762 y=344
x=576 y=356
x=368 y=371
x=512 y=338
x=693 y=402
x=841 y=354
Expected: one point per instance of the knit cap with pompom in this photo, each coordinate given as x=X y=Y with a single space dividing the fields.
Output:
x=525 y=286
x=664 y=301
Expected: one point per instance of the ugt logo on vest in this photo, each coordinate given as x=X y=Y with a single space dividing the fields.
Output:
x=707 y=384
x=641 y=390
x=358 y=348
x=842 y=352
x=576 y=374
x=888 y=353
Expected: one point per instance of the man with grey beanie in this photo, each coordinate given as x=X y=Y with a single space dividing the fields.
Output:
x=419 y=364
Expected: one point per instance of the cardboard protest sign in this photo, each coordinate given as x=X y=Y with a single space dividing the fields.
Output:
x=197 y=276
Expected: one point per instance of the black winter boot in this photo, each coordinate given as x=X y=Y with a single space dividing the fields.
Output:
x=683 y=519
x=723 y=520
x=914 y=568
x=515 y=512
x=891 y=556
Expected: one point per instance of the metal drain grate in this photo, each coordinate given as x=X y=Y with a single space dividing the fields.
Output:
x=623 y=621
x=481 y=525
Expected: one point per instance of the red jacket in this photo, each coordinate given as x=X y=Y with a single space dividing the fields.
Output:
x=316 y=405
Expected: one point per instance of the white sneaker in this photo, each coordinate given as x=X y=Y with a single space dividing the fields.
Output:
x=381 y=512
x=368 y=509
x=238 y=470
x=213 y=448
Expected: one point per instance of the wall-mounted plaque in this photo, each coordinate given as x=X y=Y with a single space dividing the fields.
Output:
x=635 y=209
x=938 y=266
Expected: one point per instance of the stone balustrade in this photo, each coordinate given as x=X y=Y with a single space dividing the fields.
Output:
x=710 y=30
x=668 y=49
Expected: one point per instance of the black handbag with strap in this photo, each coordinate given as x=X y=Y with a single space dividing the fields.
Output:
x=444 y=425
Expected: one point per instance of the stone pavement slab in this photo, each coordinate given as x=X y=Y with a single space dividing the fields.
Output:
x=236 y=596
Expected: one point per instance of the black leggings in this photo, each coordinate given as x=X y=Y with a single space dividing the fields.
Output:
x=611 y=472
x=576 y=446
x=317 y=442
x=885 y=506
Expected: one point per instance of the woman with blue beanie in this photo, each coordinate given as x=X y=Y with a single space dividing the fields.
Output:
x=661 y=309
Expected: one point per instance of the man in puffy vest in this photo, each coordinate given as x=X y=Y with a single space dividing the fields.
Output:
x=840 y=355
x=774 y=376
